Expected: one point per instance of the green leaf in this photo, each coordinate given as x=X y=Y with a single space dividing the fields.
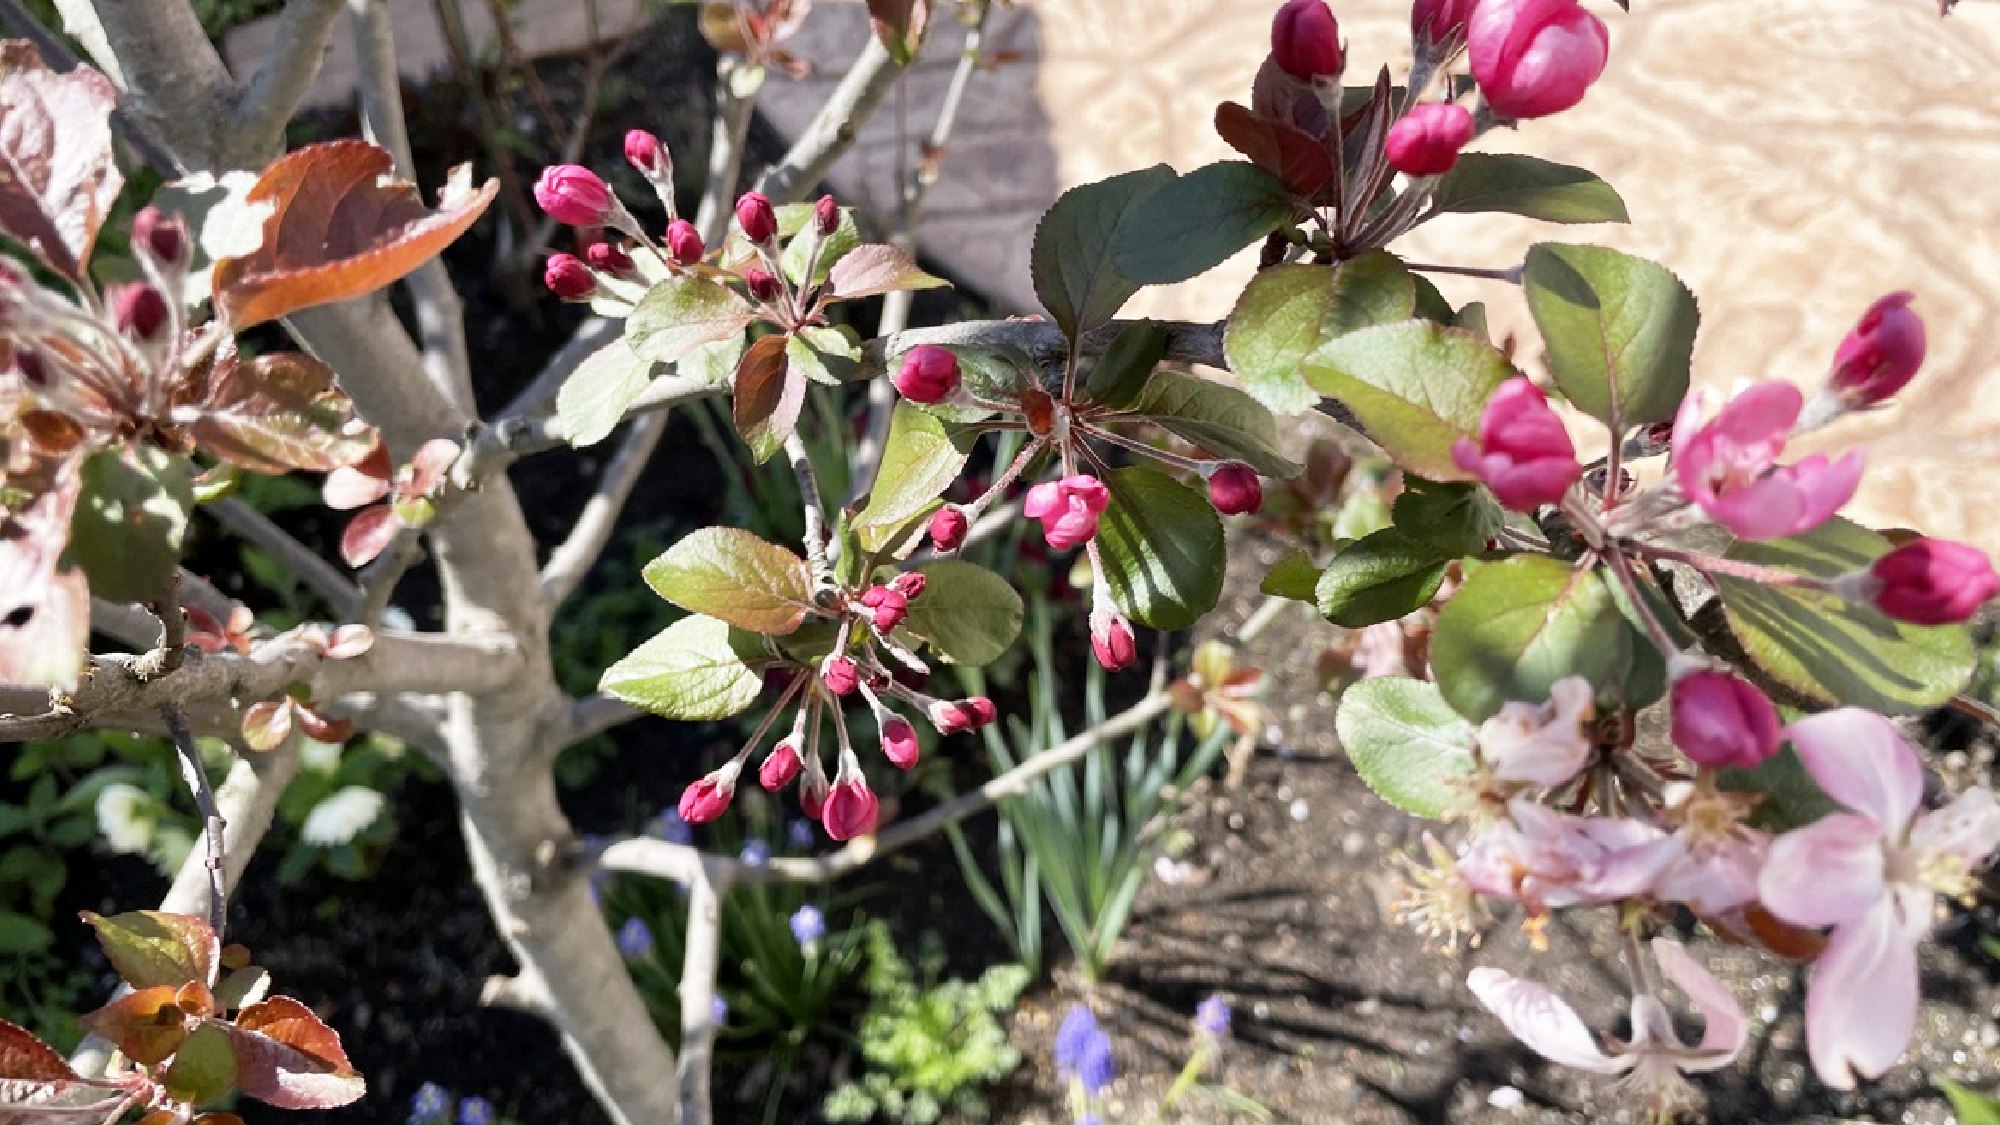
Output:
x=1453 y=519
x=594 y=397
x=697 y=669
x=1526 y=185
x=1416 y=388
x=1380 y=577
x=1619 y=329
x=681 y=314
x=1406 y=743
x=1288 y=312
x=1834 y=651
x=1218 y=418
x=793 y=221
x=130 y=518
x=1791 y=798
x=1294 y=576
x=1071 y=257
x=1162 y=547
x=968 y=614
x=1122 y=371
x=728 y=573
x=1971 y=1107
x=1520 y=624
x=919 y=461
x=21 y=934
x=151 y=949
x=204 y=1069
x=1197 y=222
x=713 y=364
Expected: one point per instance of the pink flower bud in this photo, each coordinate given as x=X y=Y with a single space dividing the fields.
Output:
x=1111 y=639
x=948 y=526
x=1305 y=41
x=684 y=243
x=1721 y=720
x=890 y=607
x=957 y=716
x=755 y=216
x=708 y=798
x=573 y=194
x=838 y=674
x=929 y=374
x=983 y=711
x=812 y=794
x=1068 y=509
x=780 y=766
x=899 y=743
x=164 y=236
x=826 y=216
x=1425 y=142
x=1434 y=21
x=142 y=312
x=1881 y=355
x=850 y=810
x=1235 y=490
x=1533 y=58
x=1933 y=582
x=1524 y=455
x=608 y=257
x=763 y=284
x=567 y=277
x=644 y=151
x=910 y=584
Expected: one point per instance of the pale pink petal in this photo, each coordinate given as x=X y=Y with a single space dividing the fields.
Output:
x=1688 y=419
x=1761 y=415
x=1726 y=1028
x=348 y=487
x=1824 y=487
x=1542 y=1020
x=1042 y=499
x=1713 y=878
x=1765 y=509
x=1861 y=1001
x=1968 y=828
x=1825 y=874
x=431 y=461
x=1862 y=761
x=368 y=534
x=349 y=641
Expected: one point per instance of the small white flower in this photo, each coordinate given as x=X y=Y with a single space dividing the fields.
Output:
x=125 y=817
x=341 y=817
x=319 y=757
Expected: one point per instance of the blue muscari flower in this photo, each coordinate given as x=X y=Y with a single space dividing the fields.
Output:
x=756 y=853
x=475 y=1111
x=1097 y=1067
x=1212 y=1016
x=1088 y=1119
x=635 y=939
x=800 y=834
x=1073 y=1036
x=718 y=1010
x=431 y=1102
x=669 y=826
x=808 y=925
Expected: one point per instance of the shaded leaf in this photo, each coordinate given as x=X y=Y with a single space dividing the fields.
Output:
x=58 y=179
x=37 y=1084
x=1288 y=312
x=205 y=1068
x=919 y=461
x=728 y=573
x=1789 y=797
x=968 y=614
x=1834 y=651
x=1199 y=221
x=1286 y=151
x=1453 y=519
x=769 y=395
x=1218 y=418
x=593 y=399
x=875 y=269
x=1071 y=260
x=286 y=1057
x=1121 y=373
x=275 y=413
x=1619 y=329
x=1520 y=624
x=340 y=226
x=1294 y=576
x=150 y=948
x=1526 y=185
x=1162 y=547
x=1416 y=388
x=130 y=518
x=1407 y=744
x=1380 y=577
x=691 y=671
x=681 y=314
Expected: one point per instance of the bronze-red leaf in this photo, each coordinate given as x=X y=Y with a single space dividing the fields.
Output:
x=57 y=177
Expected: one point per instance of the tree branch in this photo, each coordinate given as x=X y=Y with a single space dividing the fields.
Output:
x=701 y=956
x=837 y=125
x=267 y=104
x=155 y=50
x=213 y=824
x=574 y=557
x=320 y=576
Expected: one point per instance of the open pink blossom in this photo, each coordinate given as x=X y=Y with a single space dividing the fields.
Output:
x=1728 y=465
x=1553 y=861
x=1068 y=509
x=1654 y=1059
x=1713 y=858
x=1873 y=873
x=1544 y=744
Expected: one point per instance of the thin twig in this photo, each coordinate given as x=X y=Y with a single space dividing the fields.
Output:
x=378 y=581
x=319 y=575
x=815 y=511
x=213 y=825
x=591 y=533
x=165 y=656
x=836 y=125
x=700 y=958
x=1511 y=275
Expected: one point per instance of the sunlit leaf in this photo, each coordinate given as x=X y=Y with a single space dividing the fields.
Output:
x=874 y=269
x=287 y=1057
x=1520 y=624
x=275 y=413
x=151 y=948
x=698 y=668
x=968 y=614
x=1288 y=312
x=919 y=461
x=1619 y=329
x=57 y=176
x=130 y=518
x=593 y=399
x=1407 y=743
x=1415 y=387
x=728 y=573
x=681 y=314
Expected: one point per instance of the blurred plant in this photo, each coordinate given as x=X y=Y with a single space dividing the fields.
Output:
x=931 y=1048
x=340 y=807
x=1086 y=1058
x=432 y=1104
x=1079 y=839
